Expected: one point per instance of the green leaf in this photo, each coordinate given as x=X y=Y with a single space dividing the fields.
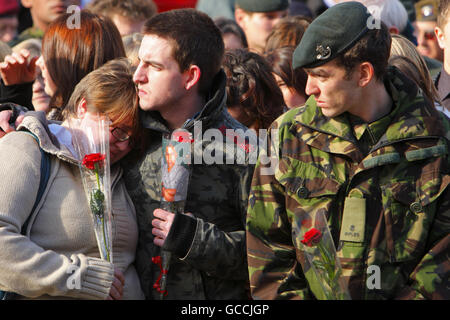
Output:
x=319 y=264
x=96 y=202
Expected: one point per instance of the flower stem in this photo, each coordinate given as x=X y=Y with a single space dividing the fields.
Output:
x=102 y=219
x=97 y=175
x=329 y=265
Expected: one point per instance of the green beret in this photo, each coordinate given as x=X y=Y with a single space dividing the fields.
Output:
x=426 y=10
x=263 y=5
x=333 y=32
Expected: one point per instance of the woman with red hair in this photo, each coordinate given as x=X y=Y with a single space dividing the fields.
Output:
x=68 y=54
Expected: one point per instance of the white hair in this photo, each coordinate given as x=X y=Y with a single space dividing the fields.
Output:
x=391 y=12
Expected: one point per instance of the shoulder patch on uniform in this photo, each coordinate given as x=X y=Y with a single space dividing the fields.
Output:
x=353 y=220
x=436 y=151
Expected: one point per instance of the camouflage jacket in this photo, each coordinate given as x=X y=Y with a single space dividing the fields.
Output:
x=30 y=33
x=208 y=251
x=383 y=188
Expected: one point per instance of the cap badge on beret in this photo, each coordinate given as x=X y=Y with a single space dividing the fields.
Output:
x=332 y=33
x=427 y=10
x=323 y=53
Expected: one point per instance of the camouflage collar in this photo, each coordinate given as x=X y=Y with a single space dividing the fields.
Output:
x=33 y=32
x=310 y=115
x=30 y=33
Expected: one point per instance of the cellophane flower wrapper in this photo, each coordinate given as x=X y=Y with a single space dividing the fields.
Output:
x=320 y=264
x=90 y=138
x=175 y=176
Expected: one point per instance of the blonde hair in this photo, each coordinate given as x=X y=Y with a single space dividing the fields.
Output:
x=444 y=13
x=405 y=48
x=109 y=90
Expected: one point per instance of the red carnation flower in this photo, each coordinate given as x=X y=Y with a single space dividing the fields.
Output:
x=312 y=237
x=90 y=160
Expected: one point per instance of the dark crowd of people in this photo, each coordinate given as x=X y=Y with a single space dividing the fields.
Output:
x=308 y=108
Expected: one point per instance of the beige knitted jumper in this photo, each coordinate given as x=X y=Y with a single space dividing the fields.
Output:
x=59 y=257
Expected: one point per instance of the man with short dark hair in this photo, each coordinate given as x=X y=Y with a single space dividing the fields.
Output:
x=181 y=85
x=257 y=18
x=129 y=16
x=369 y=154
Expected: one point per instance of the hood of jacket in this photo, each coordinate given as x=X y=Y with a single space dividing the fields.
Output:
x=37 y=123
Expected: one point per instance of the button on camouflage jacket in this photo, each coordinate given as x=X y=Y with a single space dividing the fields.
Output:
x=399 y=186
x=215 y=264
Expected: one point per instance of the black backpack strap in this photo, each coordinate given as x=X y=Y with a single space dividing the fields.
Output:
x=45 y=175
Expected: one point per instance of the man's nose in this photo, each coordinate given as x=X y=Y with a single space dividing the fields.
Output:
x=311 y=88
x=139 y=75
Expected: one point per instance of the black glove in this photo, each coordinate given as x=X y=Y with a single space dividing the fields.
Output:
x=15 y=108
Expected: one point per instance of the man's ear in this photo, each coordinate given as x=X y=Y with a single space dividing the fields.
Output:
x=27 y=3
x=191 y=76
x=440 y=36
x=394 y=30
x=239 y=16
x=366 y=74
x=82 y=108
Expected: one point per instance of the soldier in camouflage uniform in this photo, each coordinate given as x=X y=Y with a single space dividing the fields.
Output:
x=374 y=160
x=208 y=246
x=43 y=12
x=29 y=33
x=427 y=44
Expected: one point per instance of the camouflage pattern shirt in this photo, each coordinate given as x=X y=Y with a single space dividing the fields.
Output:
x=209 y=260
x=382 y=186
x=30 y=33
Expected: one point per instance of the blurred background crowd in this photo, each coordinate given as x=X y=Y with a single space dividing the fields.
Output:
x=266 y=41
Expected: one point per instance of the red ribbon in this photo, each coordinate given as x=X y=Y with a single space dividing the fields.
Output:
x=157 y=285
